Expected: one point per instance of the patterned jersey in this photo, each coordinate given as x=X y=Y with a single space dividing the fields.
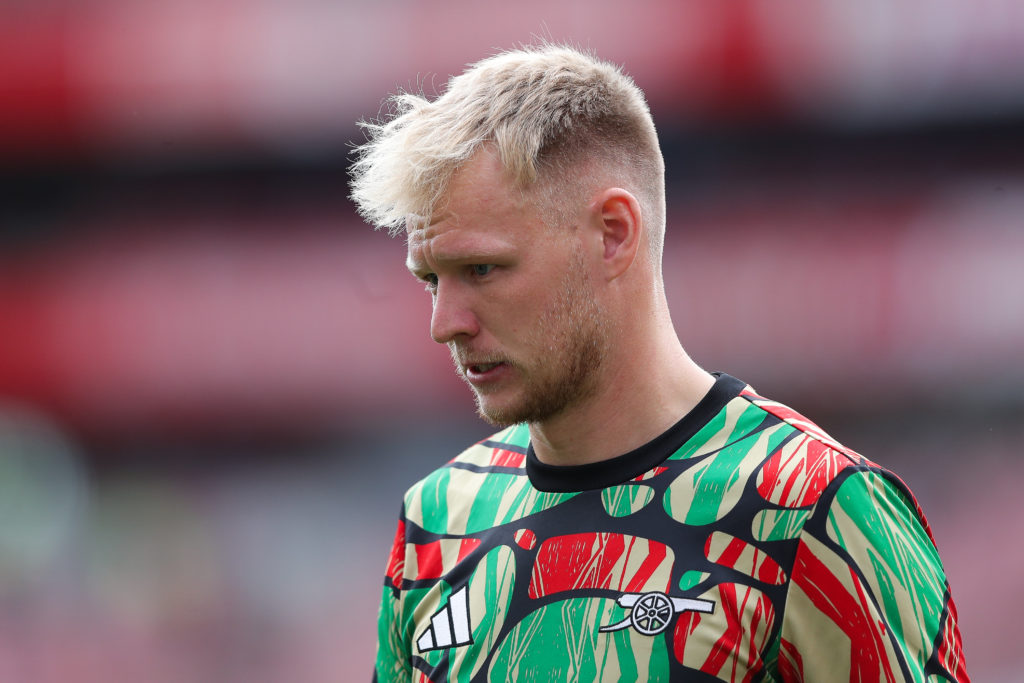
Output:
x=743 y=544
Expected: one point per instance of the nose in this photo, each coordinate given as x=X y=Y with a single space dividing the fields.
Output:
x=453 y=316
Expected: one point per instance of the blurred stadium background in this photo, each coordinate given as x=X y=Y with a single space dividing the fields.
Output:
x=216 y=382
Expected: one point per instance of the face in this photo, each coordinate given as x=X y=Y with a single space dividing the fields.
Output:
x=512 y=298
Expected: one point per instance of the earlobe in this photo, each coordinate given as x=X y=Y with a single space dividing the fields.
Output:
x=621 y=225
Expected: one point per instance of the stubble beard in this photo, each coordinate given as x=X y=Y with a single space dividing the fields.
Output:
x=570 y=340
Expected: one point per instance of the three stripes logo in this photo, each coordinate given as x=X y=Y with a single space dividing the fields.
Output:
x=449 y=626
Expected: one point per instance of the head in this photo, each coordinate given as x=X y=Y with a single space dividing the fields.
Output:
x=557 y=118
x=495 y=183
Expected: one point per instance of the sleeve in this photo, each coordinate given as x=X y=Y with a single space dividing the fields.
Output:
x=393 y=663
x=868 y=598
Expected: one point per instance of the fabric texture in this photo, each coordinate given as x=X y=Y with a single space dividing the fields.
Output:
x=743 y=544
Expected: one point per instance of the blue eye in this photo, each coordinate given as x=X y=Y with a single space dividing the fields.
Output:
x=482 y=268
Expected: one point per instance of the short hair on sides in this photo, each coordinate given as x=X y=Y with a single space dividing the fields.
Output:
x=547 y=109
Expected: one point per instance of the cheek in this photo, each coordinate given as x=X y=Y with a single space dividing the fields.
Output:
x=534 y=308
x=519 y=309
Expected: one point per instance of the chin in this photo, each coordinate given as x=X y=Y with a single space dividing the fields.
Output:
x=523 y=409
x=496 y=416
x=501 y=414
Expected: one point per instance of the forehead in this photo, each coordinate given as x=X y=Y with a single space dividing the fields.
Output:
x=483 y=204
x=482 y=188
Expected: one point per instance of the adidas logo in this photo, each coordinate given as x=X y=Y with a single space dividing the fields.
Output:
x=449 y=626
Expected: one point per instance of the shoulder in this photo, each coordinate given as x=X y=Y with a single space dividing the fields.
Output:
x=809 y=464
x=440 y=501
x=867 y=592
x=504 y=449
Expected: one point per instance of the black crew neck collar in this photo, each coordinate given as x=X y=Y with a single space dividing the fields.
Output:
x=622 y=468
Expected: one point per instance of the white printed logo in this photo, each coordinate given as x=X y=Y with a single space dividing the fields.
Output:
x=653 y=611
x=449 y=626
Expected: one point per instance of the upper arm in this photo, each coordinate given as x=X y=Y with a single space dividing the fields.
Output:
x=392 y=662
x=868 y=598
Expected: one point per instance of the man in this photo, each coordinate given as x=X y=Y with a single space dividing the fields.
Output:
x=636 y=518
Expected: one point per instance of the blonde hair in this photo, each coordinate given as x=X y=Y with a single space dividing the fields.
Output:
x=550 y=111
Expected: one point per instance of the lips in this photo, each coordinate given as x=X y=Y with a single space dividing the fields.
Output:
x=483 y=372
x=480 y=368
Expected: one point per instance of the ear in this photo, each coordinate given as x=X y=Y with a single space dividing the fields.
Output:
x=617 y=215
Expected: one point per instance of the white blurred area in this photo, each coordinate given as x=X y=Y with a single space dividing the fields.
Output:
x=216 y=382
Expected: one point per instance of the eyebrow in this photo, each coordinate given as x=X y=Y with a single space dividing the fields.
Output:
x=415 y=269
x=418 y=273
x=471 y=255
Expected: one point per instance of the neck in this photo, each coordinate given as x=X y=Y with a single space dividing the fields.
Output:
x=644 y=389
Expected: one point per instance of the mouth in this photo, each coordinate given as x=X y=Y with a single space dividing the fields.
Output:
x=478 y=373
x=480 y=368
